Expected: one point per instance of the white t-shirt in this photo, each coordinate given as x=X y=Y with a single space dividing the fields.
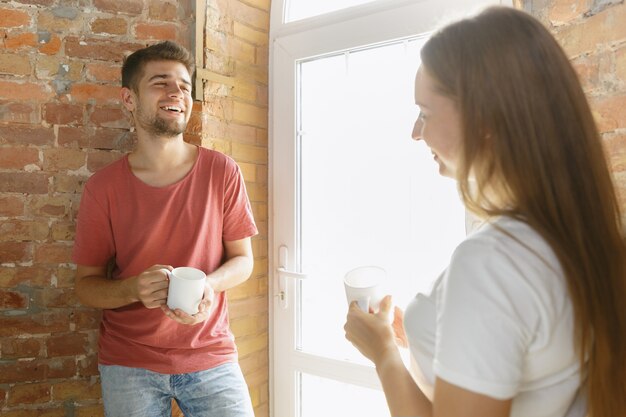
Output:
x=499 y=322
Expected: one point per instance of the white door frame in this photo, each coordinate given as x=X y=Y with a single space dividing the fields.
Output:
x=290 y=43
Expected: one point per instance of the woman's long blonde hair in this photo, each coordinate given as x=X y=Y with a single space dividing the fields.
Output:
x=530 y=139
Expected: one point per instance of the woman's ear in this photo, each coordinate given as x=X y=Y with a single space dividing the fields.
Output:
x=128 y=99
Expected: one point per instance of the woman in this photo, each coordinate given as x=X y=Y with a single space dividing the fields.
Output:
x=528 y=319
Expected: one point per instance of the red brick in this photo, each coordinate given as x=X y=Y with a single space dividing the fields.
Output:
x=120 y=6
x=101 y=49
x=63 y=113
x=29 y=394
x=47 y=207
x=22 y=371
x=101 y=94
x=249 y=15
x=620 y=63
x=65 y=183
x=110 y=117
x=19 y=112
x=54 y=253
x=22 y=135
x=61 y=368
x=76 y=390
x=113 y=26
x=67 y=344
x=21 y=40
x=45 y=410
x=241 y=133
x=60 y=20
x=89 y=410
x=25 y=91
x=33 y=276
x=23 y=182
x=616 y=150
x=63 y=231
x=99 y=159
x=18 y=157
x=163 y=11
x=17 y=348
x=60 y=159
x=610 y=112
x=76 y=137
x=15 y=251
x=588 y=70
x=163 y=31
x=88 y=366
x=40 y=323
x=11 y=18
x=118 y=139
x=15 y=65
x=51 y=47
x=97 y=71
x=64 y=278
x=22 y=230
x=13 y=300
x=564 y=11
x=87 y=319
x=3 y=394
x=11 y=206
x=53 y=297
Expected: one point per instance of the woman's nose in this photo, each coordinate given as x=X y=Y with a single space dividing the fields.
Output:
x=417 y=130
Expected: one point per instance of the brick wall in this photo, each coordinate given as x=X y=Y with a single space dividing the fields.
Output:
x=593 y=34
x=60 y=121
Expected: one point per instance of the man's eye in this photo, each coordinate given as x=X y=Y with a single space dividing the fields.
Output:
x=421 y=116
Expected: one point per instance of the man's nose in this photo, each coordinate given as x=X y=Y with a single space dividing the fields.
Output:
x=175 y=91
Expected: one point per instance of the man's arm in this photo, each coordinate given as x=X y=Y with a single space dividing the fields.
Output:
x=237 y=267
x=94 y=289
x=235 y=270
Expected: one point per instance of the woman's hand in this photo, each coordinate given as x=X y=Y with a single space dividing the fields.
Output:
x=203 y=309
x=371 y=333
x=398 y=328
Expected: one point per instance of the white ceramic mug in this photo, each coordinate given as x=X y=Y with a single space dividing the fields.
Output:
x=186 y=289
x=364 y=285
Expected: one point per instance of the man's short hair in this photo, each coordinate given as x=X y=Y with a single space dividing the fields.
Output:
x=132 y=70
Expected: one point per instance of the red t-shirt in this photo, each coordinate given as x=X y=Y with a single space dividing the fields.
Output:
x=183 y=224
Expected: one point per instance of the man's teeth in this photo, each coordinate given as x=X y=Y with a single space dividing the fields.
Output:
x=178 y=109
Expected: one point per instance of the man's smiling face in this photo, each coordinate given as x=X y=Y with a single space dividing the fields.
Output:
x=162 y=104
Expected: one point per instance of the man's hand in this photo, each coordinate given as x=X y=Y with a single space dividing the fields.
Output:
x=204 y=309
x=150 y=287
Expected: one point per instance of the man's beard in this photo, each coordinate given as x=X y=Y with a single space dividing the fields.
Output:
x=160 y=127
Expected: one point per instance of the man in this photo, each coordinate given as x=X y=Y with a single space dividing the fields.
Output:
x=165 y=204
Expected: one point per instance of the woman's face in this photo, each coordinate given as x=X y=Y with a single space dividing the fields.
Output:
x=438 y=124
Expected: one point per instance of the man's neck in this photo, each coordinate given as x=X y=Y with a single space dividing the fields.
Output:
x=161 y=161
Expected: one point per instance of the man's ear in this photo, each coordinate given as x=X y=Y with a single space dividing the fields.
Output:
x=128 y=98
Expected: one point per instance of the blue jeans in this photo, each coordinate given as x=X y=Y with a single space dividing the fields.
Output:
x=136 y=392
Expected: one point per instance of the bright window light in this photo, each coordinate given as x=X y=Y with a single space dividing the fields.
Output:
x=370 y=195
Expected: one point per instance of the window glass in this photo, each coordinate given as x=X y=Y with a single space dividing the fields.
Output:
x=369 y=195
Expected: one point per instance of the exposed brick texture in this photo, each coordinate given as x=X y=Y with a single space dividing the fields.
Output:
x=60 y=121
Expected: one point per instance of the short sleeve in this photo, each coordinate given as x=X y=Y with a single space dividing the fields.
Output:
x=485 y=321
x=94 y=244
x=238 y=218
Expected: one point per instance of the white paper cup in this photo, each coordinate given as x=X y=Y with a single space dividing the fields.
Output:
x=364 y=285
x=186 y=289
